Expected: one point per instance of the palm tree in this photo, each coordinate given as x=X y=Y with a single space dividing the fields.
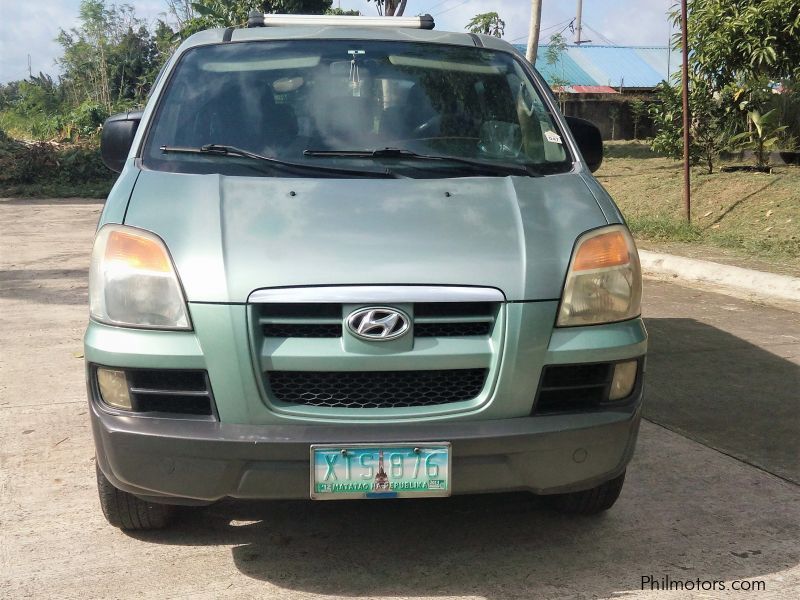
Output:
x=397 y=9
x=390 y=8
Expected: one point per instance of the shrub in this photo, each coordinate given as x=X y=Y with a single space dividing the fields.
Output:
x=82 y=163
x=47 y=162
x=85 y=120
x=23 y=163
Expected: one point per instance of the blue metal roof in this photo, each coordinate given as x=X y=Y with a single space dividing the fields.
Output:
x=615 y=66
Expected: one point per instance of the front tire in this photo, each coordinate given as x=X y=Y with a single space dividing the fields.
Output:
x=589 y=502
x=128 y=512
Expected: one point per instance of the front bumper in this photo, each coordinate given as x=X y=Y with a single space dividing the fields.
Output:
x=189 y=461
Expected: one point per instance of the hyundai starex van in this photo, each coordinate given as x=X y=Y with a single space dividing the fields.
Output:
x=357 y=258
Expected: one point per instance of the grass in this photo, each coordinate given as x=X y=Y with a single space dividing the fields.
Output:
x=753 y=214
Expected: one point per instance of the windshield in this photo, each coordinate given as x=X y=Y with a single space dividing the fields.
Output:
x=313 y=102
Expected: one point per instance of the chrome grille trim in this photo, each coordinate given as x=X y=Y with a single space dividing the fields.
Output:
x=367 y=294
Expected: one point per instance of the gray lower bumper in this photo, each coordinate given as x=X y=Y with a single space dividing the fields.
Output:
x=175 y=460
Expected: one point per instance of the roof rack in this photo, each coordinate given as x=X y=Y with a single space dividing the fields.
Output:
x=259 y=19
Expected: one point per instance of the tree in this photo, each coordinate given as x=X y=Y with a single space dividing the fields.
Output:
x=639 y=110
x=739 y=50
x=487 y=23
x=739 y=40
x=340 y=12
x=390 y=8
x=711 y=125
x=613 y=114
x=205 y=14
x=553 y=57
x=111 y=58
x=109 y=62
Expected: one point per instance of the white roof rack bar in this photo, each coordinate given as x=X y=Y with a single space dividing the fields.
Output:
x=258 y=19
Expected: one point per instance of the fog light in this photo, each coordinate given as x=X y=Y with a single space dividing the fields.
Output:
x=624 y=380
x=114 y=388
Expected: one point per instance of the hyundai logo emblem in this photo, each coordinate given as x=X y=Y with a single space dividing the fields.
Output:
x=378 y=324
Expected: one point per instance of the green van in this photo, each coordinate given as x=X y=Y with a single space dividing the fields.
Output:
x=353 y=257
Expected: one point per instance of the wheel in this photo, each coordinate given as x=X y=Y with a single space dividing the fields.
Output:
x=589 y=502
x=126 y=511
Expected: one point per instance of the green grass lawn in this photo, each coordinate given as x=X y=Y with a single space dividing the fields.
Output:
x=751 y=214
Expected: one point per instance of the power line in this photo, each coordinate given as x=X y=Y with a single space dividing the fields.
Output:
x=603 y=38
x=563 y=29
x=522 y=37
x=437 y=5
x=452 y=7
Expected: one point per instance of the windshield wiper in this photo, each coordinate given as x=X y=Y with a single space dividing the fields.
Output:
x=225 y=150
x=494 y=167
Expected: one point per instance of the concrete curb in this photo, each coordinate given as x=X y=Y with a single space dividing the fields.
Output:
x=769 y=288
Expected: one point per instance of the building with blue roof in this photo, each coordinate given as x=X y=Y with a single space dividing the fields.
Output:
x=595 y=69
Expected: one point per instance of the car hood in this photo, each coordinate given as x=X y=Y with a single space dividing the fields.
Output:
x=229 y=236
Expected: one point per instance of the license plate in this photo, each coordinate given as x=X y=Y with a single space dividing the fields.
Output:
x=380 y=471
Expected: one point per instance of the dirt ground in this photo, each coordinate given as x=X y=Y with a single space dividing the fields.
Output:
x=712 y=494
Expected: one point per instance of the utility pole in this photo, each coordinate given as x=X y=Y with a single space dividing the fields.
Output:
x=578 y=23
x=687 y=194
x=533 y=36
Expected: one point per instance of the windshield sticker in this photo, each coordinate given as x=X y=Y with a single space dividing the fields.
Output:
x=552 y=137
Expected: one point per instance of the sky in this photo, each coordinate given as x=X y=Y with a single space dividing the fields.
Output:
x=30 y=28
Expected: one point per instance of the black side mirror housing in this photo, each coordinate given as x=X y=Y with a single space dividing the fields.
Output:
x=117 y=137
x=589 y=140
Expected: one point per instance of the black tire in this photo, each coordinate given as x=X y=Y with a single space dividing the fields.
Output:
x=589 y=502
x=126 y=511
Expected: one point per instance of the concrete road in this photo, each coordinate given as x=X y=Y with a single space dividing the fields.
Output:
x=711 y=495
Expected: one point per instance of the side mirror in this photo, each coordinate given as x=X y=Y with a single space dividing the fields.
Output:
x=117 y=137
x=589 y=141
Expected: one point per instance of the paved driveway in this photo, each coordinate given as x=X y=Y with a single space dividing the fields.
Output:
x=723 y=382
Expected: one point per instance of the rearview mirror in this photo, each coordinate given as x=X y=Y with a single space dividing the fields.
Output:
x=589 y=141
x=117 y=137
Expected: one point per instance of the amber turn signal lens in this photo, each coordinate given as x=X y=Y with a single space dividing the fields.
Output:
x=602 y=251
x=138 y=252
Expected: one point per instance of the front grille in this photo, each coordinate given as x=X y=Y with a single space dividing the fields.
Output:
x=451 y=329
x=376 y=389
x=454 y=309
x=431 y=319
x=303 y=330
x=170 y=391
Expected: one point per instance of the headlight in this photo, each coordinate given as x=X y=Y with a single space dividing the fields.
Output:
x=132 y=282
x=604 y=281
